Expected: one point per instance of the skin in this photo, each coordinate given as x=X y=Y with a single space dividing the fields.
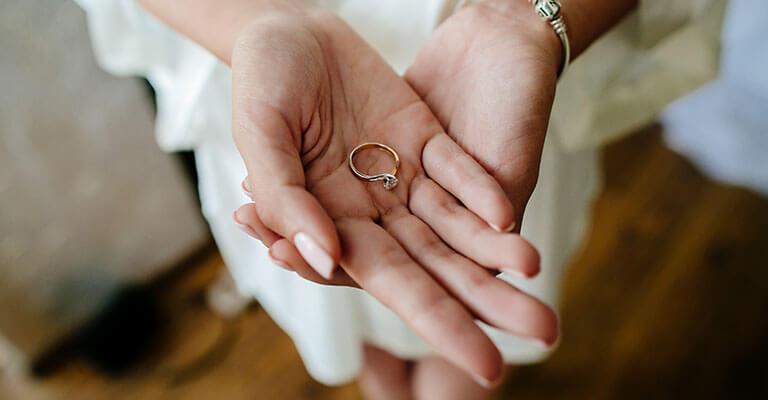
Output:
x=486 y=78
x=489 y=74
x=297 y=118
x=474 y=56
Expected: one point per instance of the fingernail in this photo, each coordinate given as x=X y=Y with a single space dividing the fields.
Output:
x=550 y=345
x=246 y=186
x=512 y=227
x=517 y=274
x=497 y=229
x=244 y=227
x=314 y=255
x=279 y=262
x=484 y=382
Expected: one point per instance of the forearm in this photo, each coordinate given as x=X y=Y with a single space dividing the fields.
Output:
x=215 y=24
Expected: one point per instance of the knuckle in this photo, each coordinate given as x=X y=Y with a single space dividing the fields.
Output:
x=432 y=309
x=435 y=247
x=479 y=281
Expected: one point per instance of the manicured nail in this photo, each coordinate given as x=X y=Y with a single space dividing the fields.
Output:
x=512 y=227
x=550 y=345
x=279 y=262
x=314 y=254
x=484 y=382
x=244 y=227
x=517 y=274
x=497 y=229
x=246 y=186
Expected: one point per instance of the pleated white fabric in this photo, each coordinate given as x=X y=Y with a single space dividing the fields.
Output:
x=329 y=324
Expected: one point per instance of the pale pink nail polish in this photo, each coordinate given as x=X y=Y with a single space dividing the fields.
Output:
x=246 y=186
x=509 y=229
x=485 y=382
x=517 y=274
x=314 y=254
x=512 y=227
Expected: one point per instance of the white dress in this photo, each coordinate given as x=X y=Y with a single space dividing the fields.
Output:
x=621 y=83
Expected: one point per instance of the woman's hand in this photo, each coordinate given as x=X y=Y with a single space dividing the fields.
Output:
x=306 y=91
x=489 y=74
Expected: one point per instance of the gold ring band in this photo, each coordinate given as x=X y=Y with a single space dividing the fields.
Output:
x=390 y=181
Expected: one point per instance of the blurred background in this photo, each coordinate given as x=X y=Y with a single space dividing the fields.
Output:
x=111 y=286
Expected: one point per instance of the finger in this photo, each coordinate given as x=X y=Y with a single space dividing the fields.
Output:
x=495 y=301
x=284 y=254
x=380 y=265
x=468 y=234
x=247 y=218
x=456 y=171
x=276 y=176
x=281 y=251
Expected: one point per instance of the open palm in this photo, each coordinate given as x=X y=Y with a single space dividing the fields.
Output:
x=306 y=90
x=489 y=74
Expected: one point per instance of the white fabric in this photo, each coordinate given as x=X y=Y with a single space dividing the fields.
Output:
x=723 y=127
x=659 y=53
x=329 y=324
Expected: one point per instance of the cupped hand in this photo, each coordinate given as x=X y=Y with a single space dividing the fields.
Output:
x=306 y=91
x=489 y=74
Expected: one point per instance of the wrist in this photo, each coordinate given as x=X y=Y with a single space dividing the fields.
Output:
x=260 y=13
x=522 y=15
x=281 y=24
x=216 y=25
x=586 y=20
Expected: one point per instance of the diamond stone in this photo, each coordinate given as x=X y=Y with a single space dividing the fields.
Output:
x=390 y=182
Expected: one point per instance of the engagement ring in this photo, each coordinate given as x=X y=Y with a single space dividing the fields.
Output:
x=389 y=179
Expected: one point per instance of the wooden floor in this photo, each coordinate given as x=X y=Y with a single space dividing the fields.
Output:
x=668 y=299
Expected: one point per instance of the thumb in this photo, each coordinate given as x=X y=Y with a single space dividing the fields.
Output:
x=278 y=187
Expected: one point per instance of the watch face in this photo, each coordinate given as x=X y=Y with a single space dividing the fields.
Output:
x=548 y=9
